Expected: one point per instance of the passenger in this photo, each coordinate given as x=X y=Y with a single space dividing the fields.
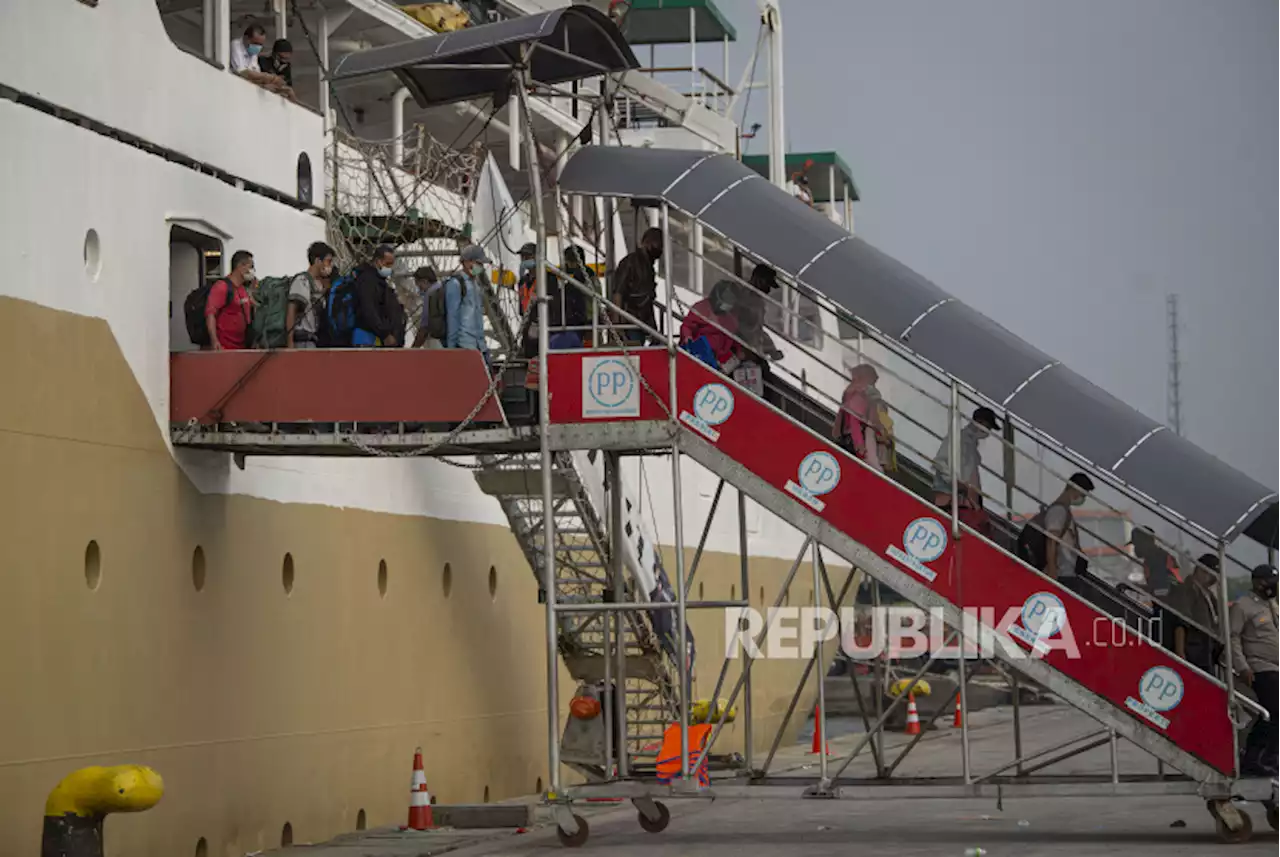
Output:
x=751 y=314
x=307 y=297
x=1195 y=599
x=1051 y=540
x=856 y=426
x=244 y=59
x=527 y=289
x=229 y=308
x=567 y=308
x=710 y=327
x=431 y=331
x=635 y=285
x=1159 y=570
x=969 y=476
x=279 y=62
x=1253 y=657
x=373 y=297
x=464 y=303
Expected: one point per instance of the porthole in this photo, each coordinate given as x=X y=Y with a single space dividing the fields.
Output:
x=382 y=578
x=286 y=835
x=92 y=565
x=92 y=255
x=493 y=582
x=286 y=574
x=362 y=821
x=733 y=592
x=304 y=178
x=537 y=787
x=197 y=568
x=202 y=847
x=486 y=794
x=446 y=580
x=762 y=596
x=701 y=590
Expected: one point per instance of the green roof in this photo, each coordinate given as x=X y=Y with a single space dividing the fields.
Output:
x=819 y=174
x=665 y=22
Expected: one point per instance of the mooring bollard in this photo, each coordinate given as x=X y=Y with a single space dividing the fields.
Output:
x=78 y=805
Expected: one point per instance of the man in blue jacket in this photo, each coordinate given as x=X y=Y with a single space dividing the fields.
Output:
x=464 y=303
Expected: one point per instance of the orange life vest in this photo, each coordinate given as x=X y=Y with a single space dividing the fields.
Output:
x=669 y=756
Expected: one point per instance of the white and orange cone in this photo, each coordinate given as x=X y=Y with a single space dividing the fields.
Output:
x=913 y=716
x=419 y=798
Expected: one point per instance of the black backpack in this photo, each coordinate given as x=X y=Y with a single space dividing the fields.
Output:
x=437 y=309
x=193 y=313
x=1032 y=541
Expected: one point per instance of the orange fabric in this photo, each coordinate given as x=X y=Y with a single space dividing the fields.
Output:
x=668 y=766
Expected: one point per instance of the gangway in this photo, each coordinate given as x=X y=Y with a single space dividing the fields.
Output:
x=614 y=401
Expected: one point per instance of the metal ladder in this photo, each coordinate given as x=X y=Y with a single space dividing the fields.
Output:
x=584 y=575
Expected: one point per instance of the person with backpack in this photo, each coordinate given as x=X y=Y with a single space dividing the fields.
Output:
x=1062 y=559
x=709 y=330
x=429 y=286
x=567 y=305
x=307 y=298
x=372 y=296
x=527 y=291
x=228 y=309
x=857 y=425
x=464 y=303
x=969 y=474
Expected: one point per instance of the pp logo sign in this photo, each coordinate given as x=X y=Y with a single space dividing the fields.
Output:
x=923 y=541
x=610 y=387
x=1160 y=690
x=1043 y=617
x=712 y=406
x=819 y=474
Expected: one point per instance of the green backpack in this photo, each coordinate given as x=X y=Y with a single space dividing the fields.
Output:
x=269 y=328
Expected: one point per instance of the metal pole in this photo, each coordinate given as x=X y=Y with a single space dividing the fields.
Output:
x=1224 y=629
x=1017 y=721
x=777 y=124
x=1115 y=758
x=954 y=421
x=786 y=718
x=956 y=553
x=544 y=439
x=745 y=576
x=1039 y=753
x=706 y=531
x=209 y=19
x=820 y=722
x=677 y=504
x=613 y=466
x=880 y=672
x=693 y=54
x=1010 y=465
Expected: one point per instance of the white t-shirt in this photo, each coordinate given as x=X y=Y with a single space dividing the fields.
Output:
x=1055 y=520
x=240 y=58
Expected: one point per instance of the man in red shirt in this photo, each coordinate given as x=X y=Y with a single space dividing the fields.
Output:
x=229 y=308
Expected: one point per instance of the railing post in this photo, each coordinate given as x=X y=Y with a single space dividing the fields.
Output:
x=745 y=575
x=544 y=430
x=820 y=721
x=955 y=547
x=677 y=506
x=1224 y=628
x=613 y=464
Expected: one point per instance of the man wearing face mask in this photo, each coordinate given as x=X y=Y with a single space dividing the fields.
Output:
x=1253 y=657
x=373 y=295
x=464 y=303
x=527 y=290
x=1051 y=540
x=244 y=59
x=969 y=474
x=634 y=286
x=306 y=297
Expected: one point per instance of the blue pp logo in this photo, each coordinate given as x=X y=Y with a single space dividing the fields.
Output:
x=925 y=539
x=819 y=473
x=609 y=387
x=1161 y=688
x=1044 y=615
x=713 y=404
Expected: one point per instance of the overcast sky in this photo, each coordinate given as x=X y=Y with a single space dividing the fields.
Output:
x=1062 y=165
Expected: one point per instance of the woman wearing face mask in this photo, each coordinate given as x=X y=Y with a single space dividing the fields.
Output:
x=856 y=425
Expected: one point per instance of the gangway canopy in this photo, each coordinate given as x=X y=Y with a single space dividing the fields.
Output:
x=569 y=43
x=770 y=224
x=818 y=166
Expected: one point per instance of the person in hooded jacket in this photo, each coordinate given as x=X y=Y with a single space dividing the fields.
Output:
x=855 y=426
x=376 y=320
x=710 y=327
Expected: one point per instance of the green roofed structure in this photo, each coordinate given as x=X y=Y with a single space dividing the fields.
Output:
x=829 y=177
x=666 y=22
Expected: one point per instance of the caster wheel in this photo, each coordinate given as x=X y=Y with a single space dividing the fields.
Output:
x=1271 y=815
x=577 y=840
x=660 y=823
x=1226 y=834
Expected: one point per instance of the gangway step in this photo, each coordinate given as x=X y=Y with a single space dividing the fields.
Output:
x=586 y=667
x=525 y=483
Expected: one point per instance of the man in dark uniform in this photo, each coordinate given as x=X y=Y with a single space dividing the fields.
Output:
x=1253 y=657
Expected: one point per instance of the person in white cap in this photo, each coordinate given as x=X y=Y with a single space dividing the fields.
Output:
x=464 y=303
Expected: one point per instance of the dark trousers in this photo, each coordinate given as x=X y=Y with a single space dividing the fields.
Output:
x=1261 y=744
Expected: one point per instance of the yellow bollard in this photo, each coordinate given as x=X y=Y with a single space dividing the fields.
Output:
x=77 y=806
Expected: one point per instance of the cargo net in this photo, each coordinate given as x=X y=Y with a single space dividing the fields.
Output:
x=413 y=193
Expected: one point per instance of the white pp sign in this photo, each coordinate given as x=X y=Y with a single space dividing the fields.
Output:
x=610 y=387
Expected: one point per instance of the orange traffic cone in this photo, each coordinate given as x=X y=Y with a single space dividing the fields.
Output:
x=958 y=721
x=419 y=798
x=818 y=743
x=913 y=716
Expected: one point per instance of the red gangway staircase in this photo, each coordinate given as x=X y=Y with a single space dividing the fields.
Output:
x=622 y=401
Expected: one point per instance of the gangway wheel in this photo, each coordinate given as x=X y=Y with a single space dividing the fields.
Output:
x=577 y=839
x=1233 y=825
x=656 y=825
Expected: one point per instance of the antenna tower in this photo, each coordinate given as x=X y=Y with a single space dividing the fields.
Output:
x=1173 y=417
